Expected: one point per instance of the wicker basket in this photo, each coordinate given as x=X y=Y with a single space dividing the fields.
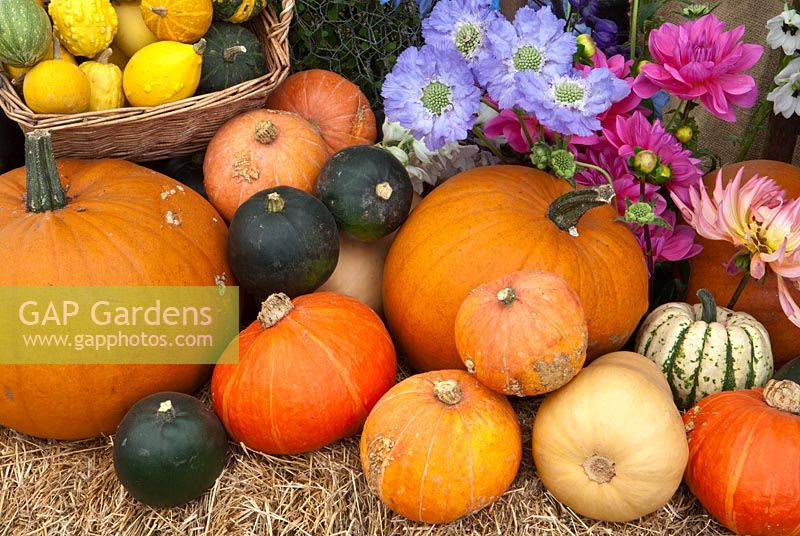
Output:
x=173 y=129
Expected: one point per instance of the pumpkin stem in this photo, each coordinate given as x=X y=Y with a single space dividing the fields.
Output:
x=230 y=53
x=568 y=209
x=200 y=47
x=160 y=11
x=447 y=391
x=384 y=190
x=507 y=296
x=56 y=48
x=166 y=412
x=275 y=202
x=599 y=469
x=783 y=395
x=709 y=306
x=266 y=132
x=42 y=182
x=274 y=309
x=105 y=56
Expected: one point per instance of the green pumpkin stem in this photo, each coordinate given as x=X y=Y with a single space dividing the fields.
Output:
x=42 y=182
x=230 y=53
x=507 y=296
x=275 y=202
x=567 y=210
x=166 y=412
x=709 y=306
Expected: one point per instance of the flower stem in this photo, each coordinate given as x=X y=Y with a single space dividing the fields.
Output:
x=489 y=144
x=521 y=117
x=598 y=169
x=679 y=112
x=634 y=26
x=739 y=289
x=648 y=242
x=488 y=103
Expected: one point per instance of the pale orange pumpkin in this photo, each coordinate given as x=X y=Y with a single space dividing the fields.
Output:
x=258 y=150
x=490 y=221
x=335 y=106
x=522 y=334
x=122 y=225
x=439 y=446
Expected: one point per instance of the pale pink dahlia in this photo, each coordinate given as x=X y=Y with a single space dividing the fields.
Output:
x=700 y=60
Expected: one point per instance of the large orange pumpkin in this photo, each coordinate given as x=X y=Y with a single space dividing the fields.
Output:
x=309 y=372
x=522 y=334
x=760 y=299
x=490 y=221
x=258 y=150
x=121 y=225
x=335 y=106
x=744 y=458
x=440 y=446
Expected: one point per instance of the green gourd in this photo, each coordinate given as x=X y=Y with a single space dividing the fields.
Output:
x=237 y=10
x=233 y=55
x=790 y=371
x=25 y=32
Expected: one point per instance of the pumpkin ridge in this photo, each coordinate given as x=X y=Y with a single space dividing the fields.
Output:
x=733 y=479
x=669 y=364
x=751 y=372
x=387 y=457
x=698 y=367
x=274 y=431
x=470 y=459
x=729 y=382
x=651 y=334
x=428 y=458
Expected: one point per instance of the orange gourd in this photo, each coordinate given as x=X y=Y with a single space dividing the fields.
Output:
x=258 y=150
x=335 y=106
x=122 y=225
x=758 y=299
x=522 y=334
x=309 y=372
x=439 y=446
x=744 y=458
x=490 y=221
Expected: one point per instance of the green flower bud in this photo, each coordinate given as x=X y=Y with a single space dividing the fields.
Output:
x=540 y=156
x=662 y=175
x=642 y=214
x=684 y=134
x=645 y=162
x=638 y=67
x=695 y=11
x=586 y=47
x=563 y=164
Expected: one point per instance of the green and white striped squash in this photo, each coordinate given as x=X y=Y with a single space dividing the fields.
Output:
x=704 y=349
x=25 y=32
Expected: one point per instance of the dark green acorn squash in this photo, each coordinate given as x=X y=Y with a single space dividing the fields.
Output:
x=367 y=190
x=169 y=449
x=282 y=240
x=237 y=10
x=233 y=55
x=12 y=145
x=790 y=371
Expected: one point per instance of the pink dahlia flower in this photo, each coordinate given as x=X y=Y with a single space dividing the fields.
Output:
x=507 y=124
x=673 y=244
x=700 y=60
x=630 y=133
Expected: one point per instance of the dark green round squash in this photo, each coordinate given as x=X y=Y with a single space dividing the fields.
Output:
x=367 y=190
x=790 y=371
x=233 y=55
x=169 y=449
x=282 y=240
x=237 y=10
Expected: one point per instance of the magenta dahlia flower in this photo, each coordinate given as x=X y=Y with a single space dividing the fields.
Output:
x=700 y=60
x=507 y=124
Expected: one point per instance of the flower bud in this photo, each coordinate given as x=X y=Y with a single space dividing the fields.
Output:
x=645 y=162
x=563 y=164
x=662 y=175
x=540 y=156
x=684 y=134
x=586 y=47
x=640 y=213
x=695 y=11
x=638 y=67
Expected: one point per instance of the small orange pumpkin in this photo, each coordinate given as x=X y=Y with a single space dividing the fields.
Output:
x=439 y=446
x=258 y=150
x=309 y=372
x=522 y=334
x=335 y=106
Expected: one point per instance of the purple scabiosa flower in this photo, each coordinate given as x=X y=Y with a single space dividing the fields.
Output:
x=460 y=24
x=571 y=103
x=535 y=43
x=431 y=91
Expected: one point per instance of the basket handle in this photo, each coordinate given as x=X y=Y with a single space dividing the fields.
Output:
x=281 y=30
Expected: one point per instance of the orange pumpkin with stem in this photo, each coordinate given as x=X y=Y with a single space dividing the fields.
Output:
x=335 y=106
x=490 y=221
x=522 y=334
x=439 y=446
x=760 y=299
x=744 y=458
x=120 y=225
x=309 y=372
x=258 y=150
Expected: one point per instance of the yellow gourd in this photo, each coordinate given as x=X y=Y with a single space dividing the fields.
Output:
x=132 y=34
x=105 y=83
x=165 y=71
x=85 y=27
x=185 y=21
x=56 y=87
x=54 y=52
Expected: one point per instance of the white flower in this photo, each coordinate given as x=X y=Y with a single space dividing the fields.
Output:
x=786 y=97
x=784 y=31
x=485 y=114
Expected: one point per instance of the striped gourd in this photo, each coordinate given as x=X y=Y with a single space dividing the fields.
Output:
x=25 y=33
x=704 y=349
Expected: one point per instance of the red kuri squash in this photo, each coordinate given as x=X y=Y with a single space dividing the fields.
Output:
x=258 y=150
x=309 y=372
x=760 y=300
x=335 y=106
x=490 y=221
x=744 y=458
x=522 y=334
